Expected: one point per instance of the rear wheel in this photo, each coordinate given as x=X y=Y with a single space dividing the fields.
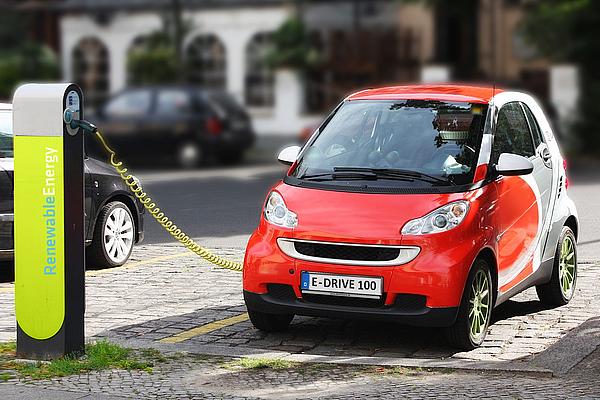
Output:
x=190 y=155
x=475 y=311
x=114 y=235
x=270 y=322
x=561 y=288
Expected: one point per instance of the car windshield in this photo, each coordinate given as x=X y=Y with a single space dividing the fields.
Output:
x=397 y=143
x=6 y=137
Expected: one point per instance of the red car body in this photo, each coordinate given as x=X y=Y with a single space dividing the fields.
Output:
x=504 y=226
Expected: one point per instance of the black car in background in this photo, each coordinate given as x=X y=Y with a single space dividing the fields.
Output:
x=113 y=217
x=186 y=125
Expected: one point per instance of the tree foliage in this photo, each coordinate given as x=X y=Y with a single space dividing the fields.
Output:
x=22 y=60
x=153 y=61
x=292 y=47
x=568 y=31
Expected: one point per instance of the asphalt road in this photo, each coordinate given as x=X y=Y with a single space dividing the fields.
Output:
x=222 y=205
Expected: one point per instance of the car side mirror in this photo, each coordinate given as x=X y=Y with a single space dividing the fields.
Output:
x=513 y=165
x=289 y=155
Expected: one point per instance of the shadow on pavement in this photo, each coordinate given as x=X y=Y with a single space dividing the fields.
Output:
x=307 y=335
x=513 y=308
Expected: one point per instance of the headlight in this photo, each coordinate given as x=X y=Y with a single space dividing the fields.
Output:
x=439 y=220
x=277 y=213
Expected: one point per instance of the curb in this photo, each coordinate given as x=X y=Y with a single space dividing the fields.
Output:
x=580 y=342
x=452 y=364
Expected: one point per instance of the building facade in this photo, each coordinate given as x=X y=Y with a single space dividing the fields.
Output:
x=361 y=44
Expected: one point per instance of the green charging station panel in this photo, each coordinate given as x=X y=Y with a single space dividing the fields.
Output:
x=49 y=227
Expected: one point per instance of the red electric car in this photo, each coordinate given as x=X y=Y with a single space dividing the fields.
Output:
x=426 y=205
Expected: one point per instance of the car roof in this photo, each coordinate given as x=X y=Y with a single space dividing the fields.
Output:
x=458 y=93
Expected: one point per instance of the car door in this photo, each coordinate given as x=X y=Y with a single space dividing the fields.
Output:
x=126 y=113
x=172 y=118
x=518 y=213
x=6 y=181
x=542 y=165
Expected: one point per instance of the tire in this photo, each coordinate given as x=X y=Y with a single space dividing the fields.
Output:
x=114 y=222
x=559 y=291
x=190 y=155
x=270 y=322
x=466 y=333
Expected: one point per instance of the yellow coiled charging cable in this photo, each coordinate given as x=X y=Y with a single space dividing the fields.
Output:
x=160 y=216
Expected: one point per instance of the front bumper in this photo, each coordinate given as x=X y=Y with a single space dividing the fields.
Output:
x=417 y=316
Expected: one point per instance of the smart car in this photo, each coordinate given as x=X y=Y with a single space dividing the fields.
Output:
x=426 y=205
x=113 y=217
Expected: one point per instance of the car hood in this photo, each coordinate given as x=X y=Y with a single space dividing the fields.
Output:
x=357 y=217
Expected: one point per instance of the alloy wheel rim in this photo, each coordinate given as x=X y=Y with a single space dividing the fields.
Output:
x=479 y=306
x=567 y=272
x=118 y=235
x=189 y=155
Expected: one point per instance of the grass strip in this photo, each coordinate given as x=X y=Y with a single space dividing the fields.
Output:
x=98 y=356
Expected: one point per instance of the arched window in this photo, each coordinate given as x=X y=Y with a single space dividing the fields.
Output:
x=260 y=80
x=206 y=62
x=90 y=70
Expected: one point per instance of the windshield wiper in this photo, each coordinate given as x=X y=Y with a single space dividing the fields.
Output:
x=350 y=175
x=393 y=173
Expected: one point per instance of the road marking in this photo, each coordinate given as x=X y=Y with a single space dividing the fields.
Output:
x=131 y=265
x=204 y=329
x=136 y=264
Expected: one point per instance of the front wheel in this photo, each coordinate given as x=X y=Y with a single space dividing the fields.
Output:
x=475 y=311
x=561 y=288
x=270 y=322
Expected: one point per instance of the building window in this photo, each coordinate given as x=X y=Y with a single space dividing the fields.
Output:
x=260 y=80
x=207 y=61
x=90 y=70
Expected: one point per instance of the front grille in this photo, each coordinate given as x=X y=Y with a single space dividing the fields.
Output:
x=342 y=252
x=344 y=301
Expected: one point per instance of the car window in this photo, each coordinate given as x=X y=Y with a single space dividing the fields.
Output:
x=512 y=133
x=6 y=134
x=534 y=126
x=430 y=137
x=129 y=104
x=173 y=102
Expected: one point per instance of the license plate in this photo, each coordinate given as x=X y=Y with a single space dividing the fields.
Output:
x=341 y=285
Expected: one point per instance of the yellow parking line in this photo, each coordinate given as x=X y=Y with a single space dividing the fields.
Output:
x=126 y=266
x=140 y=263
x=204 y=329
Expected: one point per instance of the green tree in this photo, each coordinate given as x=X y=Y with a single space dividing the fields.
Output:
x=154 y=61
x=22 y=60
x=159 y=58
x=568 y=31
x=292 y=47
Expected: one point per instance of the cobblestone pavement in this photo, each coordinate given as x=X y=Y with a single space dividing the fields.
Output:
x=193 y=377
x=168 y=291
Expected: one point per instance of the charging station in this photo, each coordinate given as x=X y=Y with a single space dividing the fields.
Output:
x=49 y=220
